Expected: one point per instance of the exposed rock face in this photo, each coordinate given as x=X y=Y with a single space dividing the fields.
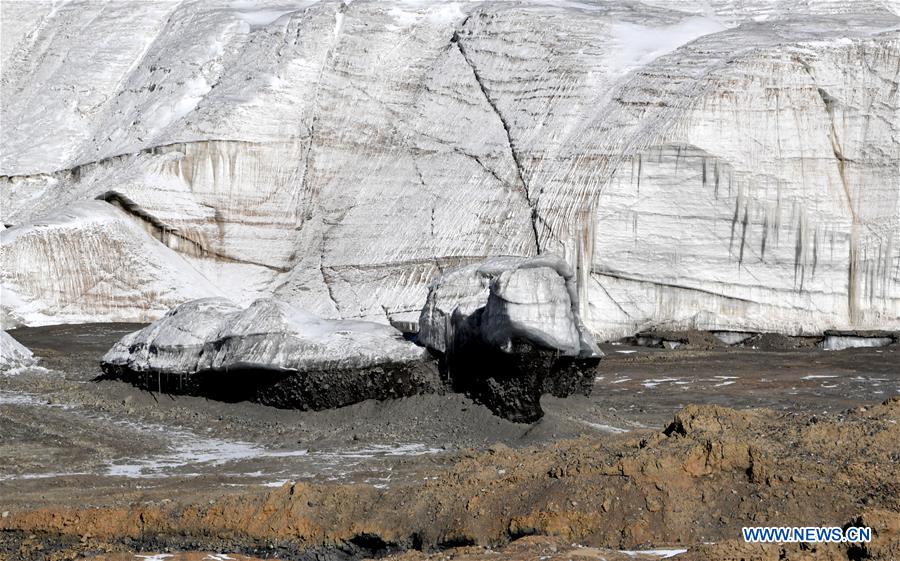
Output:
x=271 y=353
x=507 y=331
x=13 y=355
x=724 y=165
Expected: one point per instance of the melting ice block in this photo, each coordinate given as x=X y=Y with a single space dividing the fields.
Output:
x=13 y=355
x=508 y=330
x=272 y=353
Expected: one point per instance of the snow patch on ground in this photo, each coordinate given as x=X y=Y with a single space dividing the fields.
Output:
x=27 y=400
x=655 y=382
x=165 y=114
x=661 y=553
x=638 y=45
x=600 y=426
x=190 y=450
x=190 y=454
x=260 y=18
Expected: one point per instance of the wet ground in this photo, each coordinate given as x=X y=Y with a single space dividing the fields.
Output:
x=68 y=439
x=646 y=386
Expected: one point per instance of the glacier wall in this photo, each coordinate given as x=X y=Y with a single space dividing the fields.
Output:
x=719 y=165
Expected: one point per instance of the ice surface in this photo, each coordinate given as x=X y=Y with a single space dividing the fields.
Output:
x=216 y=334
x=727 y=165
x=638 y=45
x=532 y=299
x=838 y=342
x=507 y=331
x=14 y=356
x=92 y=254
x=661 y=553
x=732 y=337
x=532 y=304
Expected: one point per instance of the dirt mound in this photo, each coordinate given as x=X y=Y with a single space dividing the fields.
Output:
x=710 y=472
x=698 y=340
x=689 y=339
x=779 y=342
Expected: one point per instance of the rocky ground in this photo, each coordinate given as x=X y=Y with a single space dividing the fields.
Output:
x=792 y=436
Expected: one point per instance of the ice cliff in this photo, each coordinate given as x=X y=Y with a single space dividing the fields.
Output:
x=721 y=164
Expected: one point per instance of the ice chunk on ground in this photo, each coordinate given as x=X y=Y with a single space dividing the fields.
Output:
x=272 y=353
x=840 y=340
x=13 y=355
x=507 y=331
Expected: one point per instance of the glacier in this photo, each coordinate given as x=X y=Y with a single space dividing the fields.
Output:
x=726 y=165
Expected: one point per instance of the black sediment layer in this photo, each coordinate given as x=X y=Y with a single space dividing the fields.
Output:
x=311 y=390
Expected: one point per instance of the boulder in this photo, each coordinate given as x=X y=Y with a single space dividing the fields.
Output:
x=13 y=355
x=271 y=353
x=507 y=331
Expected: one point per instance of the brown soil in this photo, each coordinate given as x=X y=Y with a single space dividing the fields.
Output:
x=692 y=485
